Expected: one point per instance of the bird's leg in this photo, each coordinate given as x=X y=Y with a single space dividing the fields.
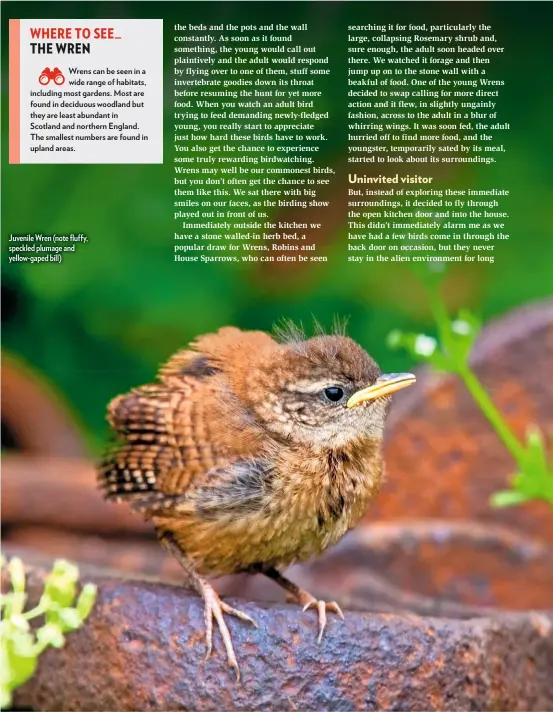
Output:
x=213 y=606
x=305 y=599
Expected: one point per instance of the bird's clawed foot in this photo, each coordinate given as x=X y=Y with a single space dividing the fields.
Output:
x=322 y=607
x=214 y=608
x=305 y=599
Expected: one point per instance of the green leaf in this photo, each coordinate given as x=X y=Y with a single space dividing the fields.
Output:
x=18 y=596
x=18 y=623
x=6 y=600
x=50 y=634
x=17 y=575
x=536 y=457
x=420 y=347
x=456 y=337
x=86 y=600
x=61 y=584
x=19 y=657
x=69 y=619
x=5 y=696
x=508 y=498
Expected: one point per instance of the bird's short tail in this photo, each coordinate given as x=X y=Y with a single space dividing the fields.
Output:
x=144 y=447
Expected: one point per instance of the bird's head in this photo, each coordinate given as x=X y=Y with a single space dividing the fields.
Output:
x=325 y=391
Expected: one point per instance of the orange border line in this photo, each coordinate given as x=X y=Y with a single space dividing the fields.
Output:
x=14 y=93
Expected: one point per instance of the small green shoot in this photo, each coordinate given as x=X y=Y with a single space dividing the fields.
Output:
x=21 y=645
x=450 y=353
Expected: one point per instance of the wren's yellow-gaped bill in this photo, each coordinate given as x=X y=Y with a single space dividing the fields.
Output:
x=251 y=453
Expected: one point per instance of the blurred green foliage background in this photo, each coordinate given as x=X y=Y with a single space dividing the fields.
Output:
x=104 y=320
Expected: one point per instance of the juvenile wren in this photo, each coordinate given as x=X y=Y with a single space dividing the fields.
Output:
x=251 y=453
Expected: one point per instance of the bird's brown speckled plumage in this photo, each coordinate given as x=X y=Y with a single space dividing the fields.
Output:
x=241 y=460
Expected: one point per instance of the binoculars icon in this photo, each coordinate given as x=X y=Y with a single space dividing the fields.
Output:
x=51 y=75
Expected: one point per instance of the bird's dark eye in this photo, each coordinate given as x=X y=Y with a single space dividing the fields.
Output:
x=334 y=393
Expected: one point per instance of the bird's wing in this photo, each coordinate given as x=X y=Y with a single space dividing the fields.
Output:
x=242 y=488
x=163 y=440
